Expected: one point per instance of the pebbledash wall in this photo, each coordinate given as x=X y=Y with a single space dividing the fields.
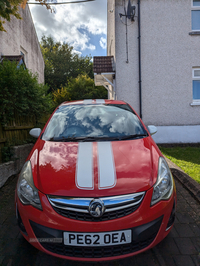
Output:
x=20 y=37
x=170 y=51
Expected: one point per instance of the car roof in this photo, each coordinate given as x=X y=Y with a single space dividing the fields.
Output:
x=93 y=101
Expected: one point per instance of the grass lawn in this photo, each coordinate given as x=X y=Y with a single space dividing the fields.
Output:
x=187 y=158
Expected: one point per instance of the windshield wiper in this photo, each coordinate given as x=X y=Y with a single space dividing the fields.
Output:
x=83 y=139
x=93 y=138
x=100 y=138
x=133 y=136
x=67 y=139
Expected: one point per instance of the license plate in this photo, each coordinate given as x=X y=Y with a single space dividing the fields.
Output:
x=98 y=239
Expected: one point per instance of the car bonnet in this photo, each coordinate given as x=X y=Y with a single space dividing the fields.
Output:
x=94 y=169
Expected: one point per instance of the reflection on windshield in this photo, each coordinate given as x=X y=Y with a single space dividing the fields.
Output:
x=80 y=121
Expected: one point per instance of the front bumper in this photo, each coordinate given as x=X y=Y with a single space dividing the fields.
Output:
x=44 y=229
x=142 y=237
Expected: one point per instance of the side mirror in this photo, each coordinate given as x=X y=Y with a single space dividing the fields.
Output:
x=35 y=132
x=152 y=129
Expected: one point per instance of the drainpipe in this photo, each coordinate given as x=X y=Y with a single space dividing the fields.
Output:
x=139 y=60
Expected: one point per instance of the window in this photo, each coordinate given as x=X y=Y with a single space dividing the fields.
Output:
x=196 y=2
x=93 y=122
x=25 y=54
x=196 y=84
x=196 y=15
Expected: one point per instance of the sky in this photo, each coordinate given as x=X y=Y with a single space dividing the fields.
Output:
x=82 y=25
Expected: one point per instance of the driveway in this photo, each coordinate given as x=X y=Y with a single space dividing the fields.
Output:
x=180 y=248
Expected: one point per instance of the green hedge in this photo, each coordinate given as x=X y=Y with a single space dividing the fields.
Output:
x=21 y=93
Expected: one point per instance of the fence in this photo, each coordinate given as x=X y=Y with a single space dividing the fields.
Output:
x=16 y=131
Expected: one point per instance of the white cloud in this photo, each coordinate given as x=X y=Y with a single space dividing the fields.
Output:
x=76 y=52
x=103 y=42
x=74 y=23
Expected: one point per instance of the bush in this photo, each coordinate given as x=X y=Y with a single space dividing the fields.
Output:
x=83 y=87
x=79 y=88
x=60 y=95
x=6 y=154
x=21 y=93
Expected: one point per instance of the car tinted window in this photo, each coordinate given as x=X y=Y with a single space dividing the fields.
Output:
x=79 y=121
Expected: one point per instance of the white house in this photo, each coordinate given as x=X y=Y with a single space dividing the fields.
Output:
x=155 y=49
x=20 y=38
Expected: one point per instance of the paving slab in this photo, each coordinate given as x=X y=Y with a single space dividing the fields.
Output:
x=196 y=259
x=183 y=261
x=184 y=230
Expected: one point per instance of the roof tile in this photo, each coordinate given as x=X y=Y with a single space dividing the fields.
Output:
x=103 y=64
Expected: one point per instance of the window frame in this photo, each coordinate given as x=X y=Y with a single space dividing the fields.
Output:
x=25 y=54
x=195 y=78
x=193 y=5
x=194 y=8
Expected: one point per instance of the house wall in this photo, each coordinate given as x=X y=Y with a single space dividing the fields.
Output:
x=168 y=54
x=111 y=27
x=111 y=35
x=20 y=36
x=126 y=65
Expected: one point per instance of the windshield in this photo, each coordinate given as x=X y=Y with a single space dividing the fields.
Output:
x=93 y=122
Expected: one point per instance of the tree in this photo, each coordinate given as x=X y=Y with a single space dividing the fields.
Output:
x=79 y=88
x=11 y=7
x=61 y=63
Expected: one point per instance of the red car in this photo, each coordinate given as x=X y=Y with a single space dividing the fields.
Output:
x=95 y=185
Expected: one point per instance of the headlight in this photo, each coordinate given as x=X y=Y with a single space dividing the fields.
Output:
x=26 y=190
x=164 y=186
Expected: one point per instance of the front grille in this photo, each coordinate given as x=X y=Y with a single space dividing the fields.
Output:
x=142 y=237
x=87 y=217
x=78 y=208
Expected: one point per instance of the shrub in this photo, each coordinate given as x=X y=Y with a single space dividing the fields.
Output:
x=60 y=95
x=79 y=88
x=83 y=87
x=21 y=93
